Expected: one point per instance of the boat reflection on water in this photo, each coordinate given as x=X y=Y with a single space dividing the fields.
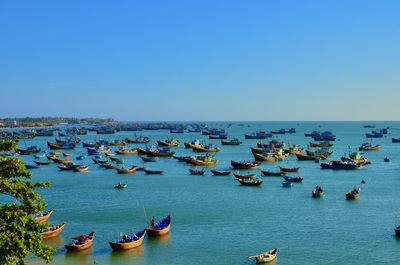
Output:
x=164 y=240
x=119 y=256
x=56 y=242
x=78 y=257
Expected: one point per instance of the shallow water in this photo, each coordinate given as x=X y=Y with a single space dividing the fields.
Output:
x=217 y=221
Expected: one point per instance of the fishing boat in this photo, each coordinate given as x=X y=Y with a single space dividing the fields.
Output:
x=250 y=181
x=66 y=146
x=153 y=172
x=289 y=169
x=82 y=168
x=233 y=141
x=294 y=149
x=356 y=157
x=161 y=228
x=81 y=157
x=338 y=164
x=395 y=140
x=205 y=148
x=81 y=242
x=273 y=144
x=110 y=154
x=280 y=131
x=44 y=217
x=130 y=170
x=70 y=166
x=245 y=164
x=317 y=192
x=117 y=143
x=141 y=151
x=66 y=154
x=42 y=163
x=163 y=152
x=369 y=147
x=52 y=231
x=86 y=144
x=205 y=161
x=273 y=174
x=197 y=172
x=126 y=151
x=321 y=144
x=119 y=160
x=169 y=143
x=397 y=231
x=374 y=134
x=326 y=136
x=182 y=158
x=292 y=179
x=29 y=150
x=121 y=185
x=218 y=136
x=100 y=161
x=267 y=256
x=129 y=241
x=221 y=172
x=266 y=157
x=313 y=157
x=191 y=144
x=258 y=135
x=59 y=160
x=246 y=176
x=109 y=166
x=354 y=194
x=32 y=166
x=148 y=159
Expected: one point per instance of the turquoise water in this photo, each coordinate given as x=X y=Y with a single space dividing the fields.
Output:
x=217 y=221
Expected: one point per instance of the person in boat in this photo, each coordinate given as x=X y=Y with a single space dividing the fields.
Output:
x=152 y=223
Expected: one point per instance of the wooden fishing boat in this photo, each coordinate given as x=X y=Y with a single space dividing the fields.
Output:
x=153 y=172
x=44 y=217
x=67 y=146
x=32 y=166
x=121 y=185
x=292 y=179
x=267 y=157
x=148 y=159
x=247 y=176
x=293 y=150
x=397 y=231
x=109 y=166
x=321 y=144
x=117 y=159
x=131 y=170
x=161 y=228
x=29 y=151
x=368 y=147
x=42 y=163
x=81 y=242
x=182 y=158
x=66 y=154
x=197 y=172
x=70 y=166
x=234 y=141
x=317 y=192
x=159 y=153
x=129 y=241
x=338 y=164
x=169 y=143
x=354 y=194
x=126 y=151
x=205 y=161
x=59 y=160
x=110 y=154
x=117 y=143
x=313 y=157
x=82 y=168
x=250 y=181
x=267 y=256
x=245 y=164
x=273 y=174
x=52 y=231
x=137 y=140
x=221 y=172
x=100 y=161
x=395 y=140
x=141 y=151
x=205 y=148
x=289 y=169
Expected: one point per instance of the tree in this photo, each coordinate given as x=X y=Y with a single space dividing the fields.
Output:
x=19 y=202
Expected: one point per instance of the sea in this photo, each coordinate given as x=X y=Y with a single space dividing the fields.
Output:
x=217 y=221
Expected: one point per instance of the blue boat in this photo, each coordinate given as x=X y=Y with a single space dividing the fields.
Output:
x=324 y=137
x=337 y=164
x=219 y=136
x=81 y=157
x=292 y=179
x=148 y=159
x=258 y=135
x=32 y=166
x=374 y=134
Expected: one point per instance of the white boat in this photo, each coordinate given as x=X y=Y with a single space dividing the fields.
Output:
x=267 y=256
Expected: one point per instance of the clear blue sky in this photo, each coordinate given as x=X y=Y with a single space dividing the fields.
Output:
x=201 y=60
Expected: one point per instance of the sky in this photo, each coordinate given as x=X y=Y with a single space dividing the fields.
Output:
x=193 y=60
